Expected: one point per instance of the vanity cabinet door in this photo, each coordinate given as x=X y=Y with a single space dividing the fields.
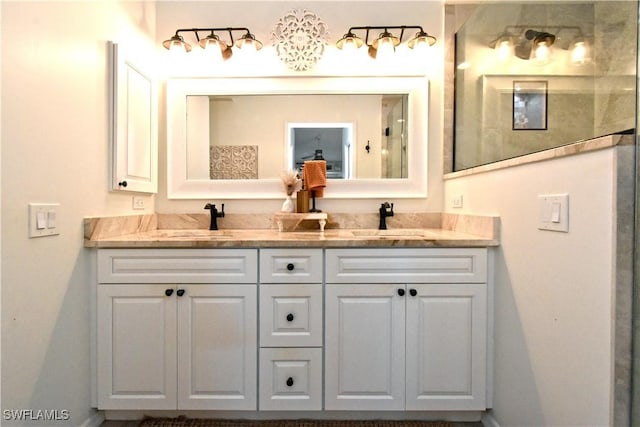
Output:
x=217 y=347
x=136 y=347
x=446 y=330
x=364 y=347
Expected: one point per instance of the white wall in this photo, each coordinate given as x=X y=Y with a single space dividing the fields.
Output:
x=55 y=149
x=554 y=291
x=339 y=16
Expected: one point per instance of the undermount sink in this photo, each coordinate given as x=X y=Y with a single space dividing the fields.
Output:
x=400 y=232
x=194 y=234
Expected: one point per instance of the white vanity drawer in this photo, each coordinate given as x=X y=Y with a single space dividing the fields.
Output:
x=290 y=315
x=177 y=266
x=291 y=266
x=404 y=265
x=290 y=379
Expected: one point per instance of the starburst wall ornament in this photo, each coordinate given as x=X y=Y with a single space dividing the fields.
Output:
x=299 y=38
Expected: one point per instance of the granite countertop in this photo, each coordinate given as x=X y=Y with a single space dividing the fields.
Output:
x=186 y=231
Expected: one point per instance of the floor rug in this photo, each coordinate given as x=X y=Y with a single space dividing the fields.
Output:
x=193 y=422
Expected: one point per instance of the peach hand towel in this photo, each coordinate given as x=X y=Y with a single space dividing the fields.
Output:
x=315 y=176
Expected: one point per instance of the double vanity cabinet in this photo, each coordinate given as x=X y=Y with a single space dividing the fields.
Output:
x=304 y=329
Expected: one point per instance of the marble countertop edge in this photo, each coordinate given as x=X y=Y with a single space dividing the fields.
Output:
x=142 y=231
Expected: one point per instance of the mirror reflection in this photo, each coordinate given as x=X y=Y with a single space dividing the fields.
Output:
x=248 y=137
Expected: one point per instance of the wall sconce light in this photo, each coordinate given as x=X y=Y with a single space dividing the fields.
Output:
x=386 y=42
x=527 y=43
x=212 y=42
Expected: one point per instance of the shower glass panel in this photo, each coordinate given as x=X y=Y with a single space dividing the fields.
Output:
x=578 y=59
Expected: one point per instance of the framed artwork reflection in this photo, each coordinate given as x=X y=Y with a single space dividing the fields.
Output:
x=530 y=105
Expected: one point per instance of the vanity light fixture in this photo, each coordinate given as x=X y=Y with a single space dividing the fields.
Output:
x=386 y=42
x=212 y=41
x=535 y=42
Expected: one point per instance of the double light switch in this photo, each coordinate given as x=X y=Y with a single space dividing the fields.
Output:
x=43 y=219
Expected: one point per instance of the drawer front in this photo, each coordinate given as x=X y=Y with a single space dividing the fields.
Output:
x=177 y=266
x=291 y=266
x=428 y=265
x=290 y=379
x=291 y=315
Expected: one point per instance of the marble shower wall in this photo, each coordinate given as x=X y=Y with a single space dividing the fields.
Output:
x=615 y=60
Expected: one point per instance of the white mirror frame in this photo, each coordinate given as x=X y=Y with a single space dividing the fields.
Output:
x=179 y=187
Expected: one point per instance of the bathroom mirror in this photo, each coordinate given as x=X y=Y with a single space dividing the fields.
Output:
x=232 y=137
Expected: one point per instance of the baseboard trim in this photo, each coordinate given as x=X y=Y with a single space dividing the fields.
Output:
x=94 y=420
x=488 y=420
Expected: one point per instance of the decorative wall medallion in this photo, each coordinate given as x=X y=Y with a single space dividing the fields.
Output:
x=300 y=37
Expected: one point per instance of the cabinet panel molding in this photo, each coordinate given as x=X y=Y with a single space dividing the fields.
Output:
x=291 y=315
x=133 y=112
x=291 y=379
x=217 y=345
x=136 y=348
x=446 y=347
x=291 y=266
x=420 y=265
x=364 y=348
x=177 y=266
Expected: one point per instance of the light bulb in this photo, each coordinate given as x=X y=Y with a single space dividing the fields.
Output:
x=214 y=49
x=349 y=46
x=542 y=52
x=249 y=46
x=422 y=46
x=579 y=53
x=385 y=49
x=504 y=49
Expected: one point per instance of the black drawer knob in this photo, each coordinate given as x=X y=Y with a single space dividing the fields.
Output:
x=290 y=317
x=122 y=184
x=289 y=381
x=401 y=292
x=180 y=292
x=168 y=292
x=413 y=292
x=290 y=266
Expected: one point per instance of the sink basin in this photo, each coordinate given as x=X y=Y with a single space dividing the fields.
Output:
x=400 y=232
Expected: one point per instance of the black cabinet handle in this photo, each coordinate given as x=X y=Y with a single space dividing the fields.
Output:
x=401 y=292
x=290 y=317
x=289 y=381
x=168 y=292
x=180 y=292
x=413 y=292
x=122 y=184
x=290 y=266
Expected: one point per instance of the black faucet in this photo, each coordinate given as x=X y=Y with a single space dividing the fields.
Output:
x=214 y=215
x=386 y=210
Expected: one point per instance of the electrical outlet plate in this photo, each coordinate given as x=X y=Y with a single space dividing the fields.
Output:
x=456 y=202
x=43 y=219
x=138 y=202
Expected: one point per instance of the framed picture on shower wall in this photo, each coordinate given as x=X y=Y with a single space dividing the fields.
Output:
x=530 y=105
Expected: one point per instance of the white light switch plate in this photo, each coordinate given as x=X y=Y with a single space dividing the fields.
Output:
x=43 y=219
x=554 y=212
